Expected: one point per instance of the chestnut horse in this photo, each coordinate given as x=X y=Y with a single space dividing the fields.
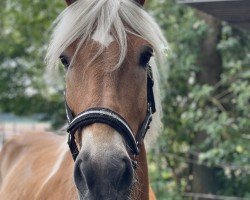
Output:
x=106 y=48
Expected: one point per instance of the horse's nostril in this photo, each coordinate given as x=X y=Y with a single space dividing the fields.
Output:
x=126 y=176
x=79 y=177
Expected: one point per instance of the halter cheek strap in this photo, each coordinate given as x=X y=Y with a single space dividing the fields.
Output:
x=113 y=119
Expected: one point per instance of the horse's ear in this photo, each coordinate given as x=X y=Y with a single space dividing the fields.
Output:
x=69 y=2
x=141 y=2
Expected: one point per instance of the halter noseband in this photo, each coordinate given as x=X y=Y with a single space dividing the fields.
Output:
x=113 y=119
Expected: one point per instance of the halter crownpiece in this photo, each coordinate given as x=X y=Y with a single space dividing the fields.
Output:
x=114 y=120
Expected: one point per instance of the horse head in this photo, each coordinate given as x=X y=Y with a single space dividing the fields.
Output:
x=105 y=47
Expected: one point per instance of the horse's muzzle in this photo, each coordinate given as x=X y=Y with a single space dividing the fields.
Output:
x=107 y=175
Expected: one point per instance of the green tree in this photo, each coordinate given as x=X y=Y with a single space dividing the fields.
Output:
x=206 y=106
x=24 y=33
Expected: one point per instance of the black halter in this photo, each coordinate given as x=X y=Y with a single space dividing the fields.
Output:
x=113 y=119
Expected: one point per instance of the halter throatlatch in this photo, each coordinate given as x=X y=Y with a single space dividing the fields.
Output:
x=113 y=119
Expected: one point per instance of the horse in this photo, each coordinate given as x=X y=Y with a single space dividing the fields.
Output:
x=109 y=49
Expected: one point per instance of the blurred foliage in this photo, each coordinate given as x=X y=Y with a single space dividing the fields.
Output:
x=24 y=33
x=221 y=111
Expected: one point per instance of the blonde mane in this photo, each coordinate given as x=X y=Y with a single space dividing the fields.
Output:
x=109 y=17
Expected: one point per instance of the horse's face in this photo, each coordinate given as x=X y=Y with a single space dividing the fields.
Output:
x=103 y=169
x=108 y=72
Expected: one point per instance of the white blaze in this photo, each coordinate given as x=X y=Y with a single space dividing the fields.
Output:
x=104 y=39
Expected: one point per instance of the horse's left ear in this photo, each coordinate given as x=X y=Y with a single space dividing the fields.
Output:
x=69 y=2
x=141 y=2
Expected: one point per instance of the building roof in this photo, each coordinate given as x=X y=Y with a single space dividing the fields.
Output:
x=236 y=12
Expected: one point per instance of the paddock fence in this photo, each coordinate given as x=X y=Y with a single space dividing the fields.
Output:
x=12 y=129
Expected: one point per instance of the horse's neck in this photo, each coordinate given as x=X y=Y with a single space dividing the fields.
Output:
x=61 y=175
x=141 y=187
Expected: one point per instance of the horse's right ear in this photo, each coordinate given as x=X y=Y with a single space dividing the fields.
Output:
x=69 y=2
x=141 y=2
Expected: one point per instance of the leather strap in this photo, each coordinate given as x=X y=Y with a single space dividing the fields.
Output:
x=105 y=116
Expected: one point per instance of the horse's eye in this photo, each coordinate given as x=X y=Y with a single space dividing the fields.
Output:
x=64 y=61
x=145 y=57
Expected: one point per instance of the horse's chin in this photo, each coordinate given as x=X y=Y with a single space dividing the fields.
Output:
x=107 y=196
